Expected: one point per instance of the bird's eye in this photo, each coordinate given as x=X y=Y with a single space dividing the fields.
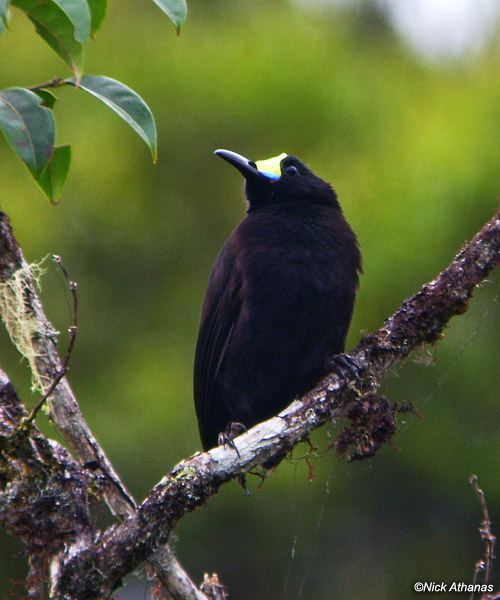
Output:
x=291 y=170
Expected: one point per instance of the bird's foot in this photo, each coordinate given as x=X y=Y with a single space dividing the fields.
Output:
x=349 y=367
x=233 y=430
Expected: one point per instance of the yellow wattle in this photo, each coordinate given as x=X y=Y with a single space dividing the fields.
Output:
x=271 y=165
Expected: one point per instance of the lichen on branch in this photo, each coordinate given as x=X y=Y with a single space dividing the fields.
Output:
x=21 y=322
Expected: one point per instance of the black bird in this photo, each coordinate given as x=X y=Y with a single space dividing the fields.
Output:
x=279 y=300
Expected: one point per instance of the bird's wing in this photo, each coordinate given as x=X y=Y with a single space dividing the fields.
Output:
x=220 y=313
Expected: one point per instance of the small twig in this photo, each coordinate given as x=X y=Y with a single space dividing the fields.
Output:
x=483 y=565
x=213 y=588
x=55 y=82
x=73 y=286
x=310 y=453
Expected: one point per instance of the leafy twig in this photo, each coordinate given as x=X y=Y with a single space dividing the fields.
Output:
x=55 y=82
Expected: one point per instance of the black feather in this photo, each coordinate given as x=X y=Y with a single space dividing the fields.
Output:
x=278 y=303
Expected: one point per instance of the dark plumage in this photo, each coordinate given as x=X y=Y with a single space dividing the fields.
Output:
x=279 y=300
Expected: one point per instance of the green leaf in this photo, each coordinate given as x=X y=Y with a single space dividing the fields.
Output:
x=48 y=98
x=126 y=103
x=55 y=27
x=78 y=13
x=97 y=12
x=53 y=177
x=4 y=7
x=176 y=10
x=28 y=127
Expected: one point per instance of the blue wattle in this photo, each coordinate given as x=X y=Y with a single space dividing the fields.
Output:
x=269 y=175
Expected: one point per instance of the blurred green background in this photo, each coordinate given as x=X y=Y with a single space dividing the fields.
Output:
x=412 y=147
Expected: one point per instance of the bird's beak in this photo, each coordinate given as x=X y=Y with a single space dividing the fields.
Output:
x=246 y=167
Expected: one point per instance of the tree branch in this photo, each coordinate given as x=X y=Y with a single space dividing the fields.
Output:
x=72 y=285
x=94 y=571
x=64 y=410
x=46 y=365
x=44 y=496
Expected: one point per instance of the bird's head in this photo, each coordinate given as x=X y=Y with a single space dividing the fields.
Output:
x=278 y=180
